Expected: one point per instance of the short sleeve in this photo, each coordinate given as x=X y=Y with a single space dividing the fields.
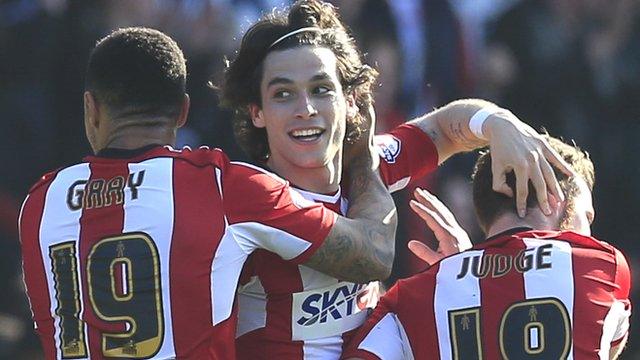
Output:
x=620 y=311
x=264 y=212
x=382 y=336
x=406 y=153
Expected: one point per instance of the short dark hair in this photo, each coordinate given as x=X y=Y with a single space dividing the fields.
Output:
x=241 y=84
x=490 y=204
x=137 y=71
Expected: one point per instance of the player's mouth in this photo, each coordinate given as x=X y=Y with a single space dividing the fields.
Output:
x=307 y=135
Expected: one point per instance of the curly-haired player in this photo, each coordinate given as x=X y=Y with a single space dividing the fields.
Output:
x=300 y=89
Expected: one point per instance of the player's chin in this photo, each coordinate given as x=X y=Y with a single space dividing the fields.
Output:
x=312 y=161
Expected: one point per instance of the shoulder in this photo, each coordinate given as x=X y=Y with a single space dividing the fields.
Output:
x=200 y=157
x=44 y=180
x=418 y=286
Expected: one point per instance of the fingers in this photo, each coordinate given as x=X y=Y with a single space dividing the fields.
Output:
x=440 y=209
x=553 y=185
x=450 y=235
x=554 y=158
x=522 y=191
x=540 y=185
x=423 y=252
x=500 y=180
x=430 y=217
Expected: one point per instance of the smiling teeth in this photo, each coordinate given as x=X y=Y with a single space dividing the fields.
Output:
x=306 y=132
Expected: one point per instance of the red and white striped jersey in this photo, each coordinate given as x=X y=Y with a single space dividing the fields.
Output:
x=139 y=257
x=290 y=311
x=532 y=294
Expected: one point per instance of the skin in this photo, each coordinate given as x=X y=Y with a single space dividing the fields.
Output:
x=359 y=247
x=453 y=239
x=300 y=90
x=514 y=146
x=130 y=133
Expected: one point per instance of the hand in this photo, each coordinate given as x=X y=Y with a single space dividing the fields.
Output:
x=451 y=237
x=363 y=147
x=516 y=146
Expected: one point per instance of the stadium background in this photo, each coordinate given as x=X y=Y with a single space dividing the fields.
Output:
x=572 y=66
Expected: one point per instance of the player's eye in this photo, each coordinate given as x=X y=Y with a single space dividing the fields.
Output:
x=282 y=94
x=321 y=90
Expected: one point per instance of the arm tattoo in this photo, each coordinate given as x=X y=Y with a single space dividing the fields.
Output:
x=361 y=249
x=459 y=136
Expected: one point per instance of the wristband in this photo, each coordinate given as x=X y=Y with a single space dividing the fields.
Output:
x=478 y=119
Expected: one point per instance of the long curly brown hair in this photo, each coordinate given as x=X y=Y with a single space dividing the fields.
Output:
x=241 y=84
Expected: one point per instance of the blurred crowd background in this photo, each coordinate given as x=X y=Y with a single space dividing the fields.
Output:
x=570 y=66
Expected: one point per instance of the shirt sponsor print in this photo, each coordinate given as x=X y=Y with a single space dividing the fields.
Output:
x=332 y=310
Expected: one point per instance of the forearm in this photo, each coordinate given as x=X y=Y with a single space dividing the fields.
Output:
x=361 y=248
x=448 y=127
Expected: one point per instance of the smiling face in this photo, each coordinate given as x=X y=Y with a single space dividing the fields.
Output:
x=303 y=110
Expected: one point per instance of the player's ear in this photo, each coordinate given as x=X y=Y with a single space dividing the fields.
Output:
x=91 y=111
x=257 y=117
x=184 y=111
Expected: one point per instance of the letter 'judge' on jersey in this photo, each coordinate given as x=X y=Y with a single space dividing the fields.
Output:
x=290 y=311
x=533 y=294
x=138 y=254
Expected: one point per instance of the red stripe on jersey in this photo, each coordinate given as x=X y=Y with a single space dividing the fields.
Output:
x=623 y=276
x=96 y=223
x=347 y=337
x=281 y=278
x=498 y=293
x=265 y=191
x=198 y=226
x=594 y=274
x=429 y=322
x=426 y=320
x=416 y=155
x=251 y=345
x=34 y=270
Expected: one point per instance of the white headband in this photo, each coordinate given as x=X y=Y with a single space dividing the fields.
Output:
x=294 y=32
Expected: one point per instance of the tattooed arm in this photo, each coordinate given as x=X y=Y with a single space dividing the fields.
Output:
x=448 y=127
x=361 y=246
x=515 y=146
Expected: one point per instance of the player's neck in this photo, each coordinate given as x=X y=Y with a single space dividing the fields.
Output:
x=534 y=219
x=136 y=137
x=322 y=180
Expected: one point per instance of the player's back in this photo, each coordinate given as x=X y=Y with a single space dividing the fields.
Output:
x=543 y=295
x=119 y=257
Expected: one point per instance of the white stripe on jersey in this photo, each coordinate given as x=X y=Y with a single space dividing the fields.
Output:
x=321 y=349
x=252 y=307
x=388 y=340
x=537 y=284
x=155 y=219
x=219 y=182
x=453 y=294
x=331 y=199
x=253 y=235
x=24 y=282
x=399 y=185
x=225 y=273
x=60 y=224
x=616 y=325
